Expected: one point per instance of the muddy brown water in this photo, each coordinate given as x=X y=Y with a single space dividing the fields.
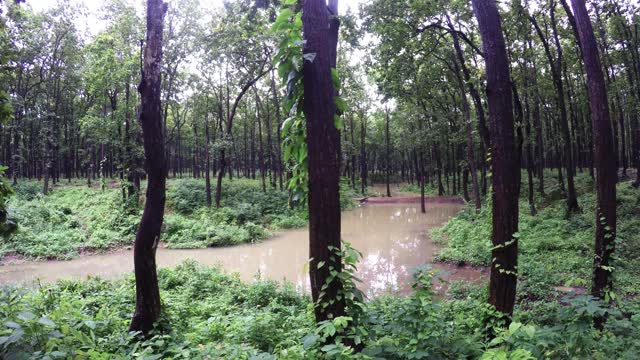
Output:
x=391 y=237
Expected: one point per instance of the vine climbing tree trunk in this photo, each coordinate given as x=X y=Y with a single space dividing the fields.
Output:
x=144 y=253
x=323 y=143
x=606 y=172
x=504 y=159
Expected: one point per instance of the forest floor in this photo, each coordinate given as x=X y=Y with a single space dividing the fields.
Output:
x=555 y=250
x=76 y=220
x=210 y=314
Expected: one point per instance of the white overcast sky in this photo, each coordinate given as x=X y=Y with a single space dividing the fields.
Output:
x=97 y=25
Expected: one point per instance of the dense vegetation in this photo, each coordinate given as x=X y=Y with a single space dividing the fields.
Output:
x=74 y=219
x=555 y=250
x=200 y=126
x=213 y=315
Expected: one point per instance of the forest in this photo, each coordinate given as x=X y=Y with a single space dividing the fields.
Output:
x=320 y=179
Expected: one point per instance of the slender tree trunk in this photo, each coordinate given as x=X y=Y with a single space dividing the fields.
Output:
x=556 y=68
x=388 y=154
x=363 y=155
x=207 y=175
x=603 y=143
x=276 y=102
x=353 y=153
x=148 y=304
x=529 y=148
x=471 y=157
x=436 y=153
x=261 y=159
x=504 y=159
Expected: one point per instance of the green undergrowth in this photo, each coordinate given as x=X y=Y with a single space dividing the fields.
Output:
x=429 y=189
x=212 y=315
x=554 y=250
x=74 y=219
x=67 y=221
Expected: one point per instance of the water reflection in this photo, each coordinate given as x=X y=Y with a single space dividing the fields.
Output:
x=390 y=237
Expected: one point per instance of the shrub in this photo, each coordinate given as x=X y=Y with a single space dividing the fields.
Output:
x=27 y=190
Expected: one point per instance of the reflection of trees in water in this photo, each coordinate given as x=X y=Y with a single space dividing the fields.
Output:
x=390 y=270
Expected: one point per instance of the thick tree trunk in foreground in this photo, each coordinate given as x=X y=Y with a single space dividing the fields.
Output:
x=606 y=172
x=323 y=141
x=144 y=254
x=504 y=159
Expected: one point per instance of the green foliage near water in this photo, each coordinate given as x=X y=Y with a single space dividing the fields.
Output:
x=553 y=249
x=430 y=189
x=74 y=218
x=211 y=315
x=68 y=221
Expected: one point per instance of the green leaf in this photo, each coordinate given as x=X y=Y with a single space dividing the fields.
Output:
x=309 y=340
x=341 y=105
x=46 y=321
x=335 y=79
x=26 y=316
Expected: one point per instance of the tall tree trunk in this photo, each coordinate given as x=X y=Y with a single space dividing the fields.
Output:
x=276 y=102
x=323 y=141
x=261 y=159
x=504 y=159
x=556 y=72
x=207 y=175
x=353 y=153
x=471 y=157
x=148 y=305
x=436 y=153
x=363 y=154
x=606 y=173
x=388 y=154
x=529 y=147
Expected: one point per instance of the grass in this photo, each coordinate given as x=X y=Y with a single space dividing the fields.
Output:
x=553 y=249
x=74 y=219
x=212 y=315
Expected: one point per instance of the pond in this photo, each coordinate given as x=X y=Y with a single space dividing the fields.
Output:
x=392 y=238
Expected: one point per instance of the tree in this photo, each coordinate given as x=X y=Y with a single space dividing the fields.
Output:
x=323 y=142
x=556 y=72
x=387 y=151
x=148 y=305
x=504 y=159
x=606 y=171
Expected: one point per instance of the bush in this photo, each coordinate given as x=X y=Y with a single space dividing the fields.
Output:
x=73 y=218
x=27 y=190
x=210 y=314
x=553 y=249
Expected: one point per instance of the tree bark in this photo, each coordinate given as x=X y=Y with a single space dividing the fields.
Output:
x=387 y=154
x=606 y=173
x=556 y=66
x=363 y=154
x=323 y=141
x=504 y=159
x=148 y=305
x=207 y=175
